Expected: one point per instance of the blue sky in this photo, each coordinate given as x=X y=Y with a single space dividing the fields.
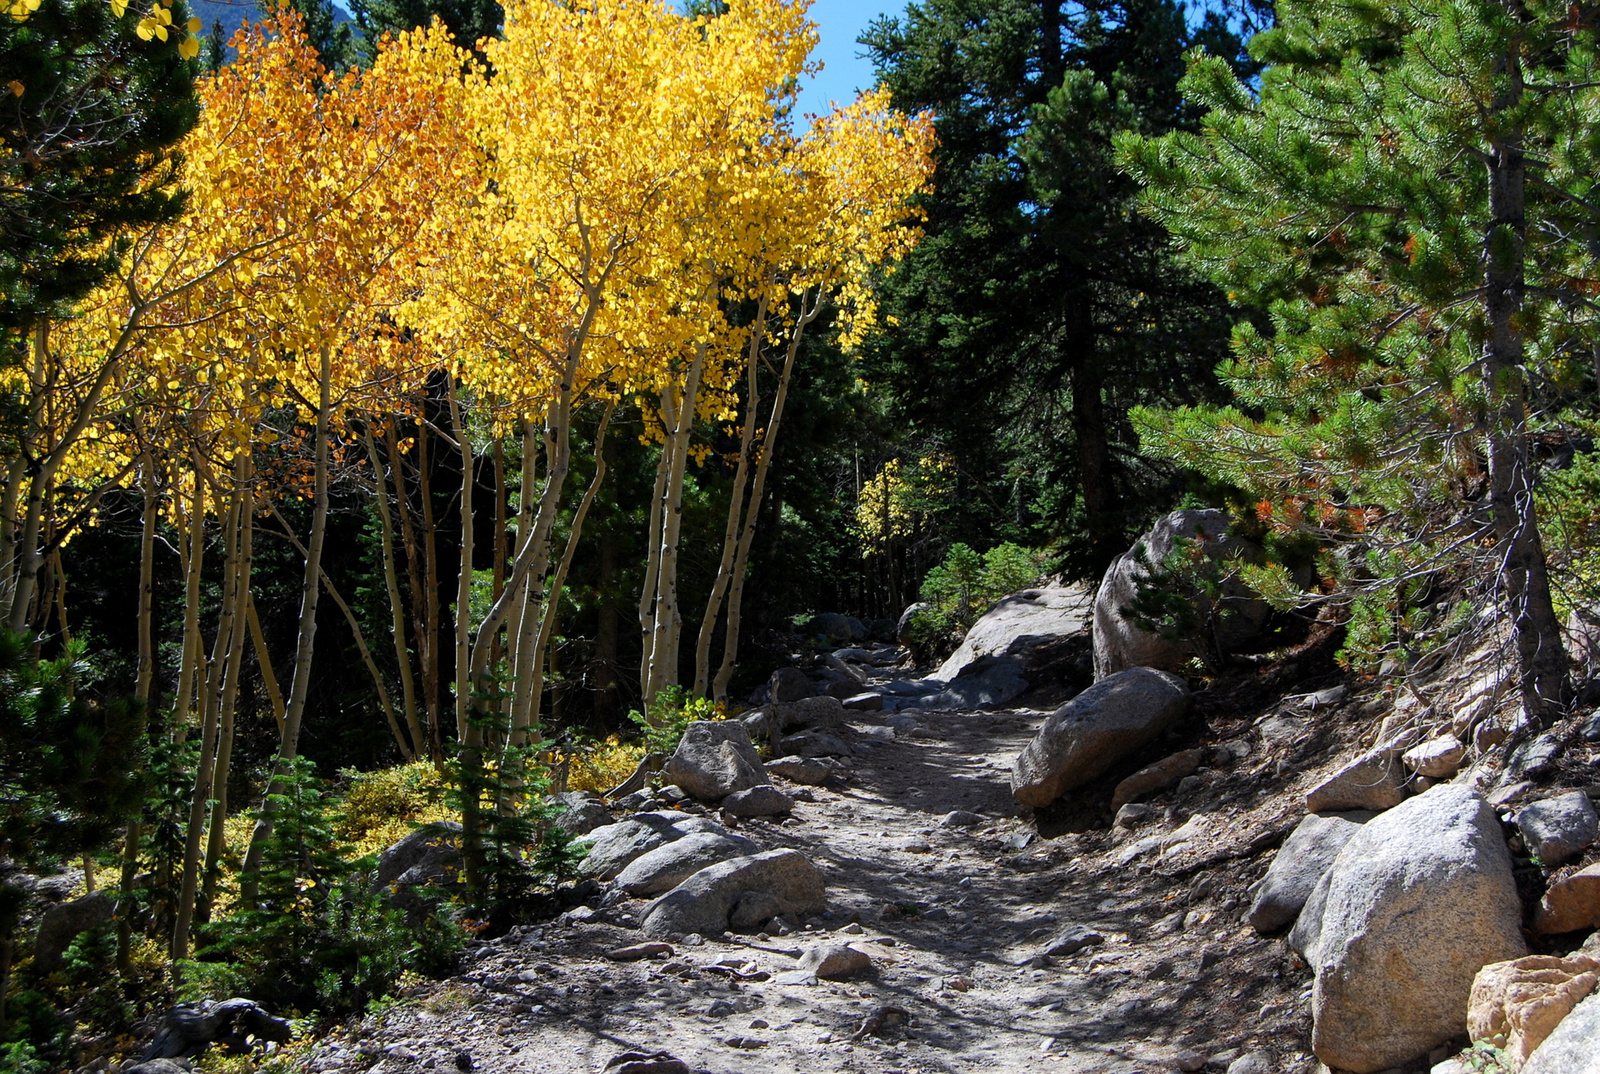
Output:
x=839 y=23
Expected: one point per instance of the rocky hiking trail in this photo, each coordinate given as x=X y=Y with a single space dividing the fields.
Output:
x=934 y=873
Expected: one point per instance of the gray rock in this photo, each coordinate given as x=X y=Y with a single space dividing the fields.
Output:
x=1590 y=731
x=157 y=1066
x=1372 y=781
x=1299 y=865
x=613 y=847
x=815 y=744
x=1020 y=623
x=422 y=869
x=581 y=813
x=762 y=801
x=1533 y=757
x=902 y=627
x=835 y=962
x=789 y=684
x=714 y=759
x=1070 y=941
x=868 y=701
x=740 y=893
x=961 y=818
x=1253 y=1063
x=64 y=922
x=1416 y=903
x=985 y=683
x=1112 y=719
x=1437 y=758
x=809 y=712
x=670 y=864
x=1556 y=830
x=1164 y=773
x=189 y=1028
x=1119 y=644
x=1133 y=813
x=1574 y=1047
x=800 y=770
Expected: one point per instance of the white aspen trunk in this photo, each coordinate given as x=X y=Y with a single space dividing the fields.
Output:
x=397 y=611
x=205 y=769
x=464 y=683
x=652 y=565
x=147 y=589
x=668 y=619
x=741 y=478
x=310 y=588
x=193 y=552
x=238 y=600
x=730 y=644
x=525 y=627
x=264 y=658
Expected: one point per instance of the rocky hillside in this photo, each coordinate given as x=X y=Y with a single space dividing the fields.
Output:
x=999 y=866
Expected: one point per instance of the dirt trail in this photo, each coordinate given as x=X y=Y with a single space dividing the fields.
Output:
x=954 y=918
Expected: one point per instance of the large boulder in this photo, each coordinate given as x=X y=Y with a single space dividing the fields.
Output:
x=986 y=683
x=1515 y=1005
x=742 y=894
x=670 y=864
x=1574 y=1046
x=1119 y=643
x=614 y=847
x=1020 y=623
x=423 y=869
x=64 y=923
x=1081 y=740
x=714 y=759
x=1417 y=902
x=1300 y=864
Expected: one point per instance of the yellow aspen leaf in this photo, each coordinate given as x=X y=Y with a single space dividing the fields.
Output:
x=15 y=87
x=189 y=48
x=194 y=24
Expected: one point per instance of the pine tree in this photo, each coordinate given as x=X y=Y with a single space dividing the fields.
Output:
x=93 y=111
x=1040 y=305
x=1408 y=196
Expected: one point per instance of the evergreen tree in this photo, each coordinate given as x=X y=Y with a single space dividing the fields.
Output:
x=1040 y=305
x=86 y=146
x=1410 y=196
x=469 y=21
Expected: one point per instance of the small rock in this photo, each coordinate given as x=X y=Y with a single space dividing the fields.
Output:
x=1189 y=1061
x=835 y=962
x=1252 y=1063
x=1438 y=758
x=794 y=977
x=761 y=801
x=1148 y=780
x=1533 y=757
x=800 y=770
x=646 y=1063
x=1570 y=904
x=638 y=951
x=746 y=1043
x=867 y=701
x=760 y=1023
x=1070 y=941
x=961 y=818
x=1134 y=813
x=1556 y=830
x=915 y=845
x=853 y=929
x=1590 y=731
x=1369 y=782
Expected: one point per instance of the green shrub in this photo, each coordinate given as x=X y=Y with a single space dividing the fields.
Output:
x=967 y=584
x=674 y=710
x=318 y=937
